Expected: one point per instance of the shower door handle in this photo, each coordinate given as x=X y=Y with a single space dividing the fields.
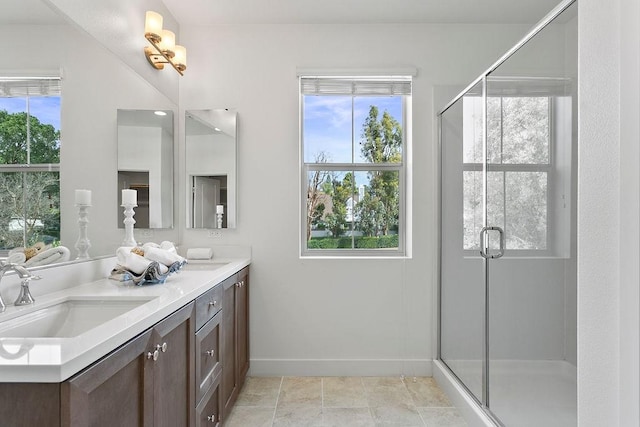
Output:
x=484 y=243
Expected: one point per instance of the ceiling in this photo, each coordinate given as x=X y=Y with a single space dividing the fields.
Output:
x=220 y=12
x=208 y=12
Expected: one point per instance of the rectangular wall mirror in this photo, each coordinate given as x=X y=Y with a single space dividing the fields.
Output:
x=210 y=139
x=145 y=164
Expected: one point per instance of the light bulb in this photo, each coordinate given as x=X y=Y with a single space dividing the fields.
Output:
x=168 y=42
x=153 y=26
x=180 y=58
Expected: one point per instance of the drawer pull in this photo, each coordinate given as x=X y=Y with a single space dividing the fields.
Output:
x=153 y=355
x=211 y=418
x=210 y=352
x=162 y=347
x=213 y=303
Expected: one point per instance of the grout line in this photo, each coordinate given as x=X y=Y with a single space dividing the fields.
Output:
x=322 y=401
x=366 y=398
x=273 y=417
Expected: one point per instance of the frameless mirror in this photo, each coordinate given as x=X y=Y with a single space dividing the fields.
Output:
x=210 y=140
x=145 y=164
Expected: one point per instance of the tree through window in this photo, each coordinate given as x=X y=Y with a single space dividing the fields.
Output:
x=29 y=161
x=353 y=150
x=518 y=170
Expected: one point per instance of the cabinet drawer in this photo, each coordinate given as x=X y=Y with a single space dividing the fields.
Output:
x=208 y=366
x=208 y=411
x=208 y=304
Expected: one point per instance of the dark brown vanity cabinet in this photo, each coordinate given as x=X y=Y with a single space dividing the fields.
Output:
x=185 y=371
x=235 y=338
x=146 y=382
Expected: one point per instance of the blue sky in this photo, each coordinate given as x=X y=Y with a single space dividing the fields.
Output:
x=327 y=124
x=46 y=109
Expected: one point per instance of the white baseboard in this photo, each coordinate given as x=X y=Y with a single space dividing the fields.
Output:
x=341 y=367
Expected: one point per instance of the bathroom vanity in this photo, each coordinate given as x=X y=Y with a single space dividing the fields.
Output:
x=178 y=358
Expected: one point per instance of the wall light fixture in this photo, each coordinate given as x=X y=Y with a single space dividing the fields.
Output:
x=163 y=49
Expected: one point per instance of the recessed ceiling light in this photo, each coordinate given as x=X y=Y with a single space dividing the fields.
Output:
x=160 y=113
x=216 y=129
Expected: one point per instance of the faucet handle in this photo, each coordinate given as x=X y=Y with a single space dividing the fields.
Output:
x=25 y=297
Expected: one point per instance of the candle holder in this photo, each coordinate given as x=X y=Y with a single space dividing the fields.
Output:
x=83 y=244
x=128 y=224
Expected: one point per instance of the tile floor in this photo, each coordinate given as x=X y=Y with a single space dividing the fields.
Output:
x=343 y=401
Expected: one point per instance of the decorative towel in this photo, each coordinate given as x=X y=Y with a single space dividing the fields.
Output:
x=168 y=246
x=16 y=258
x=199 y=253
x=131 y=261
x=163 y=256
x=49 y=256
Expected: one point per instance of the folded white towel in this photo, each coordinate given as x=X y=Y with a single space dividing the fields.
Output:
x=16 y=258
x=199 y=253
x=161 y=256
x=130 y=261
x=49 y=256
x=168 y=246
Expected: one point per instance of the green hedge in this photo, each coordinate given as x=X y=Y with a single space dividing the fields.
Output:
x=360 y=242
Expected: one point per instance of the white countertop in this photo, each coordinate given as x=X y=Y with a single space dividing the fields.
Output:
x=56 y=359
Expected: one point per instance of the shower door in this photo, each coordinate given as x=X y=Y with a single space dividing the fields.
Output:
x=508 y=280
x=462 y=294
x=531 y=128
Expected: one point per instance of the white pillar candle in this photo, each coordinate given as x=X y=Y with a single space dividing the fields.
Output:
x=83 y=197
x=219 y=209
x=129 y=197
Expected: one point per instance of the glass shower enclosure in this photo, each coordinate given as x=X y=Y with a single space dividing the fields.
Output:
x=507 y=294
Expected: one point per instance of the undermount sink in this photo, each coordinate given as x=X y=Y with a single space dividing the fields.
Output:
x=208 y=266
x=68 y=318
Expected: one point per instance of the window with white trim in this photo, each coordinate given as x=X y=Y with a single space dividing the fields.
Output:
x=29 y=161
x=353 y=176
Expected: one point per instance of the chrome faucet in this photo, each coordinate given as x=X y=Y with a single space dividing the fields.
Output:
x=25 y=275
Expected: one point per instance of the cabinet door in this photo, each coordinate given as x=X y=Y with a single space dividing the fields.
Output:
x=112 y=391
x=235 y=339
x=173 y=371
x=242 y=324
x=228 y=382
x=18 y=401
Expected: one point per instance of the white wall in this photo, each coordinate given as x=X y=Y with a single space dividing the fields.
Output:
x=629 y=391
x=608 y=231
x=328 y=316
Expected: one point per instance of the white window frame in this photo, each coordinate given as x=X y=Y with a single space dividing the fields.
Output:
x=402 y=168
